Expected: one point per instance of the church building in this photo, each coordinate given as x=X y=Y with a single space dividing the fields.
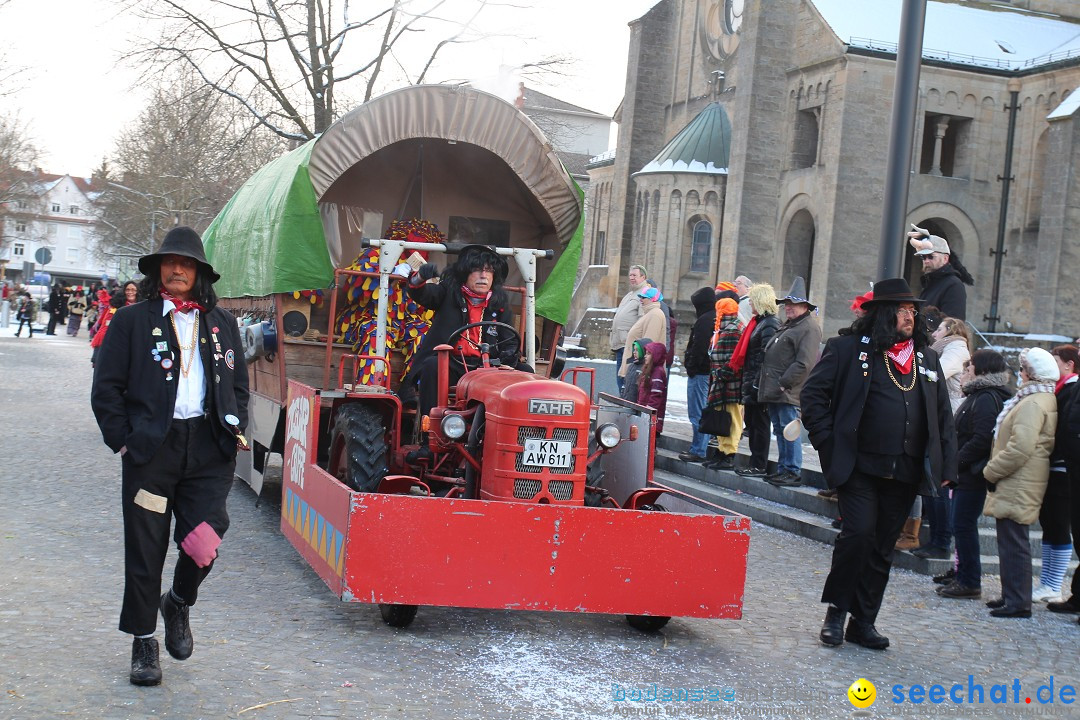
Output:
x=753 y=137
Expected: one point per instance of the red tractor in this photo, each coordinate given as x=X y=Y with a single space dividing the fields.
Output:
x=538 y=493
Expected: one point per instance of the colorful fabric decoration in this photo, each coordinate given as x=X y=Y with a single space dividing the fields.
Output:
x=406 y=322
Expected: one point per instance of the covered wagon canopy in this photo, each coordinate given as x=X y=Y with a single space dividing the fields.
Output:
x=465 y=160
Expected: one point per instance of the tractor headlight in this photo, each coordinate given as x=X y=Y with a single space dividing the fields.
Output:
x=453 y=427
x=608 y=435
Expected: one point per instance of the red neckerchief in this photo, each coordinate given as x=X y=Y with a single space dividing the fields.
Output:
x=180 y=305
x=739 y=356
x=476 y=314
x=902 y=354
x=1061 y=382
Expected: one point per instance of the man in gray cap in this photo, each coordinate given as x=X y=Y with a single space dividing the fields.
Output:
x=170 y=395
x=944 y=276
x=789 y=357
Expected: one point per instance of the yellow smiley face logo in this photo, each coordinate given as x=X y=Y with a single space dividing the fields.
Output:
x=862 y=693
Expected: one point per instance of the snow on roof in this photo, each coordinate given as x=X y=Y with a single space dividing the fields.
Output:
x=1066 y=108
x=978 y=34
x=703 y=146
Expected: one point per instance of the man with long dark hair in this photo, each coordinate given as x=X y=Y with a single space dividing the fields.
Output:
x=469 y=291
x=170 y=395
x=877 y=410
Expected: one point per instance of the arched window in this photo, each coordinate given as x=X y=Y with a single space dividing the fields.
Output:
x=700 y=247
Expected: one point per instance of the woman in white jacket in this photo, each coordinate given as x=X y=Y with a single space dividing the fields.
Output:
x=952 y=342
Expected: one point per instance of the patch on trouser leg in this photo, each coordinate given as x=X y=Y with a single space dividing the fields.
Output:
x=152 y=502
x=201 y=544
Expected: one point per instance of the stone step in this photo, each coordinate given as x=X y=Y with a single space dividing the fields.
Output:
x=801 y=522
x=801 y=510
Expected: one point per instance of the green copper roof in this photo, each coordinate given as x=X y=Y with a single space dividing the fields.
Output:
x=703 y=146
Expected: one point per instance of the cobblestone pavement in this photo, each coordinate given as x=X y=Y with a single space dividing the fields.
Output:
x=273 y=642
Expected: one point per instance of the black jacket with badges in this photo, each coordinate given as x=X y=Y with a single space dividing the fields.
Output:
x=133 y=395
x=834 y=401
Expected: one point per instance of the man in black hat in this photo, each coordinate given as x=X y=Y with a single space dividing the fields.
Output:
x=469 y=291
x=170 y=395
x=877 y=410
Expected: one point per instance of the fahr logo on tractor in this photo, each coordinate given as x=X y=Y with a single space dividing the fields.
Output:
x=532 y=492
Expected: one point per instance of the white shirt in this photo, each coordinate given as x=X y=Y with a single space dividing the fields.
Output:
x=190 y=390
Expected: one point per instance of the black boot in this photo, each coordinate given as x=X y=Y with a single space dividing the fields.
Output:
x=865 y=634
x=178 y=640
x=832 y=631
x=421 y=454
x=145 y=668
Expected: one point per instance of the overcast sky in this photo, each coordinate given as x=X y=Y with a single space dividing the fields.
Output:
x=76 y=98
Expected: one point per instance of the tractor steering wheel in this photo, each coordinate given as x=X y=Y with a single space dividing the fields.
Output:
x=496 y=346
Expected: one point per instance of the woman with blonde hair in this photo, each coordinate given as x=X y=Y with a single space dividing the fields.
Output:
x=749 y=354
x=952 y=342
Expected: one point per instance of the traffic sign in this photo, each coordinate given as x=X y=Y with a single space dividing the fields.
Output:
x=43 y=256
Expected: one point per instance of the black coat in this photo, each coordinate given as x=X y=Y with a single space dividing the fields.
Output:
x=833 y=402
x=451 y=313
x=133 y=397
x=944 y=289
x=1067 y=440
x=975 y=420
x=696 y=359
x=764 y=330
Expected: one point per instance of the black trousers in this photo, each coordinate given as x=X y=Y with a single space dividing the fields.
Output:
x=188 y=479
x=759 y=429
x=874 y=510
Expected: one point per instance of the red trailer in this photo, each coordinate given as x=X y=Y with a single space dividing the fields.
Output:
x=539 y=494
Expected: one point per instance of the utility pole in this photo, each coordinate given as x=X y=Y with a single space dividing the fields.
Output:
x=901 y=136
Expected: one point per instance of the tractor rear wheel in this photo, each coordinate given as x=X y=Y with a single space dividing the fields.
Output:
x=647 y=623
x=398 y=616
x=358 y=447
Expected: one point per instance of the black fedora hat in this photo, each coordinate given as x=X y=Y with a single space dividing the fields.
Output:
x=893 y=290
x=179 y=241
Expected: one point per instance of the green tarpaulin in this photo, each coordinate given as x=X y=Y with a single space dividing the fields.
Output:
x=553 y=299
x=269 y=237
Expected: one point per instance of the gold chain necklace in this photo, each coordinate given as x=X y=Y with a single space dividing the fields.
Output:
x=888 y=366
x=185 y=369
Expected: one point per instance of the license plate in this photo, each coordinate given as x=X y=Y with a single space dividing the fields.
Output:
x=547 y=453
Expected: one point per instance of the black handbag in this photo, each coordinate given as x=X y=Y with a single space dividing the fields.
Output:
x=715 y=421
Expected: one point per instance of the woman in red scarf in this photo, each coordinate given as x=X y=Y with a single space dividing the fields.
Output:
x=126 y=295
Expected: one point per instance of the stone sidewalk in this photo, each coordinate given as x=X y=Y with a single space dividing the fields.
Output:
x=271 y=641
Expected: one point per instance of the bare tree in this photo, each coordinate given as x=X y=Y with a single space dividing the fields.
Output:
x=18 y=200
x=179 y=164
x=287 y=62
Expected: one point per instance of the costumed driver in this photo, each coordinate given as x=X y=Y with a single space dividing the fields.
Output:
x=469 y=291
x=170 y=396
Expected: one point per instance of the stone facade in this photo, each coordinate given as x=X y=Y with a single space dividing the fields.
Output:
x=810 y=116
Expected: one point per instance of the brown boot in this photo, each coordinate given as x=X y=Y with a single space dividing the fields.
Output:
x=909 y=536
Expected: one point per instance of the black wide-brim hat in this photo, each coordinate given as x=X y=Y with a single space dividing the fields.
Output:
x=499 y=267
x=179 y=241
x=893 y=290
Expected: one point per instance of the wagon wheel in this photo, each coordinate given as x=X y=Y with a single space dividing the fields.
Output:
x=358 y=447
x=648 y=623
x=496 y=348
x=399 y=616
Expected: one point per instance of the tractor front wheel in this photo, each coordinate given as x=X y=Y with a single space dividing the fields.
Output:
x=358 y=447
x=399 y=616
